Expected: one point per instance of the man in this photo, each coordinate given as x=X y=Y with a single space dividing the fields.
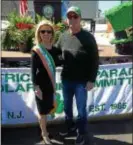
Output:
x=93 y=25
x=79 y=72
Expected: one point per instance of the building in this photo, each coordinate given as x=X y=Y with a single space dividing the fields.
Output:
x=52 y=9
x=7 y=6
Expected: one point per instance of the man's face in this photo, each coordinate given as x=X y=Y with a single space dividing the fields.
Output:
x=73 y=20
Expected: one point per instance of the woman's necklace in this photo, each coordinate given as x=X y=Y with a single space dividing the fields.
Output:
x=48 y=46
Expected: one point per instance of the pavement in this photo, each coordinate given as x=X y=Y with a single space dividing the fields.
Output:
x=109 y=132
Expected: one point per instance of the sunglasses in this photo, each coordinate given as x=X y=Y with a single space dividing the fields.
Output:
x=46 y=31
x=72 y=16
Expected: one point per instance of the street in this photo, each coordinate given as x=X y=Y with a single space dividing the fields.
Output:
x=111 y=132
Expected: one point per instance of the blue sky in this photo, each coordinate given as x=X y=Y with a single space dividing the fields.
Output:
x=105 y=5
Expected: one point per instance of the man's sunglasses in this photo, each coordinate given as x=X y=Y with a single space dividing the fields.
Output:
x=72 y=16
x=46 y=31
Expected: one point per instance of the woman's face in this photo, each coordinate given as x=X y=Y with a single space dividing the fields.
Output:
x=45 y=33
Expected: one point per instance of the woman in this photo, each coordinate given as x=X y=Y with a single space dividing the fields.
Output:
x=44 y=58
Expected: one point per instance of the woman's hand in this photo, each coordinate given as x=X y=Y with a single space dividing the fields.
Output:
x=38 y=92
x=89 y=86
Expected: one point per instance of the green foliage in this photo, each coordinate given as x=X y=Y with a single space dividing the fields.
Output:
x=121 y=41
x=59 y=29
x=13 y=35
x=39 y=18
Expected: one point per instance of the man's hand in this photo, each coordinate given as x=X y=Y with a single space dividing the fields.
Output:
x=38 y=92
x=89 y=86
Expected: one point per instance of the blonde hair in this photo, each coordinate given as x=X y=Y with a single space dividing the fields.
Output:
x=39 y=25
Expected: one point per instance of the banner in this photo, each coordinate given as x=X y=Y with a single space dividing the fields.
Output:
x=64 y=6
x=111 y=95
